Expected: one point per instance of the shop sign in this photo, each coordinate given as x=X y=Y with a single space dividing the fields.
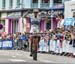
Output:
x=3 y=15
x=55 y=12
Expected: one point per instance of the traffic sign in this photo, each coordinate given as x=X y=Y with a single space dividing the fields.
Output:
x=1 y=26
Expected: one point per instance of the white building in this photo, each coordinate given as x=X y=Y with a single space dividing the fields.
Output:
x=69 y=9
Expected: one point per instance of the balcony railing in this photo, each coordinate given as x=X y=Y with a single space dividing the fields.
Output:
x=67 y=0
x=34 y=5
x=42 y=5
x=57 y=4
x=45 y=5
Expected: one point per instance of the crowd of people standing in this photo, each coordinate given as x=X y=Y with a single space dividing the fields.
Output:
x=60 y=41
x=20 y=40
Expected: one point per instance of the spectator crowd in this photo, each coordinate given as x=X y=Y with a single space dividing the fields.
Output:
x=20 y=41
x=59 y=41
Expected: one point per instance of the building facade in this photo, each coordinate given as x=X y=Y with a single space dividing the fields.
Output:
x=11 y=12
x=69 y=9
x=13 y=4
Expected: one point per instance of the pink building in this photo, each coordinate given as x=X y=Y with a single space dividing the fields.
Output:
x=23 y=25
x=18 y=24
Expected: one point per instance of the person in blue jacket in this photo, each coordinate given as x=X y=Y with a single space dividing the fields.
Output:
x=24 y=41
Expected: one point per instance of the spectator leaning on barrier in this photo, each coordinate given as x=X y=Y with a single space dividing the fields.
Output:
x=67 y=40
x=74 y=20
x=15 y=41
x=24 y=40
x=11 y=36
x=50 y=35
x=0 y=41
x=47 y=37
x=63 y=42
x=57 y=42
x=70 y=44
x=8 y=36
x=19 y=41
x=54 y=42
x=41 y=44
x=73 y=42
x=0 y=37
x=51 y=41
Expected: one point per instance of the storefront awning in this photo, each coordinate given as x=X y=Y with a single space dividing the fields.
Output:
x=14 y=16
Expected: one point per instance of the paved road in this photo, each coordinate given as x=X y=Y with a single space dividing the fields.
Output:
x=22 y=57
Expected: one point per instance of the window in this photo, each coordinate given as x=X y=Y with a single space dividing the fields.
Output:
x=18 y=3
x=45 y=1
x=15 y=26
x=3 y=3
x=57 y=1
x=35 y=1
x=10 y=3
x=9 y=13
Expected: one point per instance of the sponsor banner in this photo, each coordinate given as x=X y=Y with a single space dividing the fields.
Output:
x=0 y=44
x=7 y=44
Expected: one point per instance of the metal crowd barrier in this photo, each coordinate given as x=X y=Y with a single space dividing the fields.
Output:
x=55 y=46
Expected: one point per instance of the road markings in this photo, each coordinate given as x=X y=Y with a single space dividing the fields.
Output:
x=29 y=57
x=46 y=61
x=17 y=54
x=41 y=60
x=17 y=60
x=13 y=56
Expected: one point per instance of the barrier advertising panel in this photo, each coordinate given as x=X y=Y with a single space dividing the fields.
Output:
x=7 y=44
